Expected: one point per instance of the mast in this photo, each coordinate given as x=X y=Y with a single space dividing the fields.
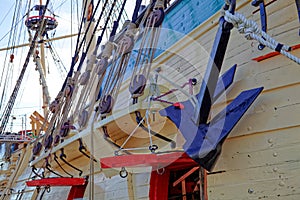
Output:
x=34 y=23
x=43 y=23
x=45 y=93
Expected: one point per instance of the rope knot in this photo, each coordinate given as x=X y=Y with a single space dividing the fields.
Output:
x=251 y=31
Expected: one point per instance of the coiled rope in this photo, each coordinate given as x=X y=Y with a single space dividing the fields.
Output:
x=252 y=31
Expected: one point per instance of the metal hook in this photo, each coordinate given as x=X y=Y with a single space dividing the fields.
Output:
x=34 y=171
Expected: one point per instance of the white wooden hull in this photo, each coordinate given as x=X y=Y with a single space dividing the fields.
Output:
x=259 y=160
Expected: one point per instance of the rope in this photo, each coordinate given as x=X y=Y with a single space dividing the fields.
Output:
x=11 y=40
x=70 y=100
x=192 y=98
x=147 y=48
x=14 y=94
x=108 y=49
x=92 y=165
x=251 y=31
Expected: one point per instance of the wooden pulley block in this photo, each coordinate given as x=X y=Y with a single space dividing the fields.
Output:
x=56 y=140
x=126 y=44
x=68 y=90
x=83 y=118
x=54 y=106
x=84 y=77
x=101 y=65
x=106 y=105
x=48 y=141
x=64 y=130
x=138 y=85
x=37 y=148
x=156 y=18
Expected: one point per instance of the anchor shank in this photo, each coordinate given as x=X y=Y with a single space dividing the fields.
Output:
x=206 y=94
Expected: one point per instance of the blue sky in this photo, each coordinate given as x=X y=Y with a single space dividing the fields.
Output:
x=29 y=97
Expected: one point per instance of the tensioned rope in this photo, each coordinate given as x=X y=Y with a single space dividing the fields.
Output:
x=64 y=104
x=79 y=43
x=147 y=50
x=252 y=31
x=75 y=78
x=106 y=53
x=10 y=104
x=11 y=42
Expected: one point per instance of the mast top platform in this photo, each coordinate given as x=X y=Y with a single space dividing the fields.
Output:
x=34 y=21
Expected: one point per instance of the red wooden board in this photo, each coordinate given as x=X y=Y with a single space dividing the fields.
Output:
x=142 y=160
x=272 y=54
x=57 y=182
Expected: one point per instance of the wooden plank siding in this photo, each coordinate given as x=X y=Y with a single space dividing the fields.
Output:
x=261 y=159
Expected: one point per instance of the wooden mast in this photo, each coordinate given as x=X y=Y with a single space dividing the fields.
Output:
x=43 y=65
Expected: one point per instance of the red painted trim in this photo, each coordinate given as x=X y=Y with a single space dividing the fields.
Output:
x=159 y=185
x=77 y=192
x=57 y=182
x=272 y=54
x=142 y=160
x=39 y=17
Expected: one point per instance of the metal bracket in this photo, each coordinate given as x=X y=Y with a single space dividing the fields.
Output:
x=56 y=160
x=263 y=17
x=63 y=156
x=33 y=169
x=48 y=167
x=82 y=149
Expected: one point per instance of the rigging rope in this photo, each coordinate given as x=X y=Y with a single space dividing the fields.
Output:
x=147 y=49
x=12 y=38
x=105 y=55
x=252 y=31
x=79 y=44
x=57 y=60
x=63 y=108
x=75 y=78
x=10 y=104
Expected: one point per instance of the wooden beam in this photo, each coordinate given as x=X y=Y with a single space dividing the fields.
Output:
x=142 y=160
x=57 y=182
x=48 y=40
x=182 y=178
x=183 y=188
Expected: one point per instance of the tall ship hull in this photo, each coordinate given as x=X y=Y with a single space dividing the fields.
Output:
x=217 y=116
